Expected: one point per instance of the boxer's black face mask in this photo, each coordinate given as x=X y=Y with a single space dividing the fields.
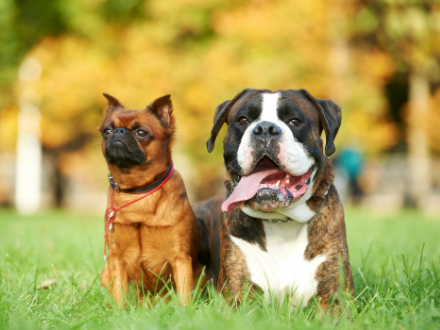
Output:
x=273 y=146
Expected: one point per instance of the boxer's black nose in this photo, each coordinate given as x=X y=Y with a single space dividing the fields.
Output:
x=120 y=131
x=266 y=129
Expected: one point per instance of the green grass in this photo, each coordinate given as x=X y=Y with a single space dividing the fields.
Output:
x=396 y=279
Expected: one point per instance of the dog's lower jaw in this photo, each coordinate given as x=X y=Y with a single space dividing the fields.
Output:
x=124 y=158
x=300 y=213
x=123 y=163
x=298 y=210
x=265 y=215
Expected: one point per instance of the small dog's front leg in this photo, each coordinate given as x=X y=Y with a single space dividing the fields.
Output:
x=183 y=276
x=118 y=275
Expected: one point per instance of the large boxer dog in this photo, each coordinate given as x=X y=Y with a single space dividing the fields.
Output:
x=281 y=227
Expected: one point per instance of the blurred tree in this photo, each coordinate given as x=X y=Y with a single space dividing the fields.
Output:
x=408 y=30
x=25 y=24
x=203 y=53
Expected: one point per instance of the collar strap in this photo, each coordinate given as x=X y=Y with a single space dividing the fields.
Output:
x=322 y=195
x=326 y=179
x=142 y=189
x=279 y=220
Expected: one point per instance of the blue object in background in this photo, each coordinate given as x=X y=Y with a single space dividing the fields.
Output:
x=350 y=160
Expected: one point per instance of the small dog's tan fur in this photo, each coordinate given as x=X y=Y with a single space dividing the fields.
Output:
x=158 y=234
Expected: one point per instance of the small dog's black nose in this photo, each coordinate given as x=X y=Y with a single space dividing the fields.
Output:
x=266 y=129
x=120 y=131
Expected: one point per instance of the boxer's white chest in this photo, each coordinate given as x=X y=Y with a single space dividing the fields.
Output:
x=282 y=268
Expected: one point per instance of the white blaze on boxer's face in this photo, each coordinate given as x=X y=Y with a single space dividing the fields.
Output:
x=244 y=153
x=289 y=154
x=292 y=153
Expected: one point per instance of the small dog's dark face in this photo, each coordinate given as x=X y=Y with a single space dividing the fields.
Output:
x=132 y=138
x=273 y=147
x=123 y=146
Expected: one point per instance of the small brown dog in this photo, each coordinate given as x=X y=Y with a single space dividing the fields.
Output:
x=150 y=226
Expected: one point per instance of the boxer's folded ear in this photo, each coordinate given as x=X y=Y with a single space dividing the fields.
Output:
x=330 y=117
x=112 y=104
x=221 y=113
x=220 y=117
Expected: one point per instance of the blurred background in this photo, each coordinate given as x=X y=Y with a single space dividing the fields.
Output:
x=379 y=60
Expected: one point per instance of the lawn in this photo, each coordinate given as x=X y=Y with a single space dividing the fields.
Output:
x=395 y=262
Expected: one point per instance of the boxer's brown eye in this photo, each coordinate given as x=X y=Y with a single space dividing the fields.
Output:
x=107 y=132
x=295 y=122
x=141 y=133
x=242 y=121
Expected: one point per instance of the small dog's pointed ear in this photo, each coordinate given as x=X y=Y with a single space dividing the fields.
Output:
x=330 y=118
x=220 y=116
x=112 y=104
x=163 y=109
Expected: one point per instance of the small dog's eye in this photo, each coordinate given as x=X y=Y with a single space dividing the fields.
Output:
x=242 y=121
x=295 y=122
x=141 y=133
x=107 y=132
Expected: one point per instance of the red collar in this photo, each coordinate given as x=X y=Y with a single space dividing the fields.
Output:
x=111 y=211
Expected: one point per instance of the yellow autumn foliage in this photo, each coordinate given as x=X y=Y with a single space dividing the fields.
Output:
x=203 y=53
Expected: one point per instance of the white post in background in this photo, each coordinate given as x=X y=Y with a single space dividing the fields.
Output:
x=417 y=138
x=29 y=152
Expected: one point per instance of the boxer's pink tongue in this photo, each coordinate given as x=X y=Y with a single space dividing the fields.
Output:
x=246 y=189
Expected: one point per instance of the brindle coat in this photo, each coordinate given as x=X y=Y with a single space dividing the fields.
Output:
x=325 y=231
